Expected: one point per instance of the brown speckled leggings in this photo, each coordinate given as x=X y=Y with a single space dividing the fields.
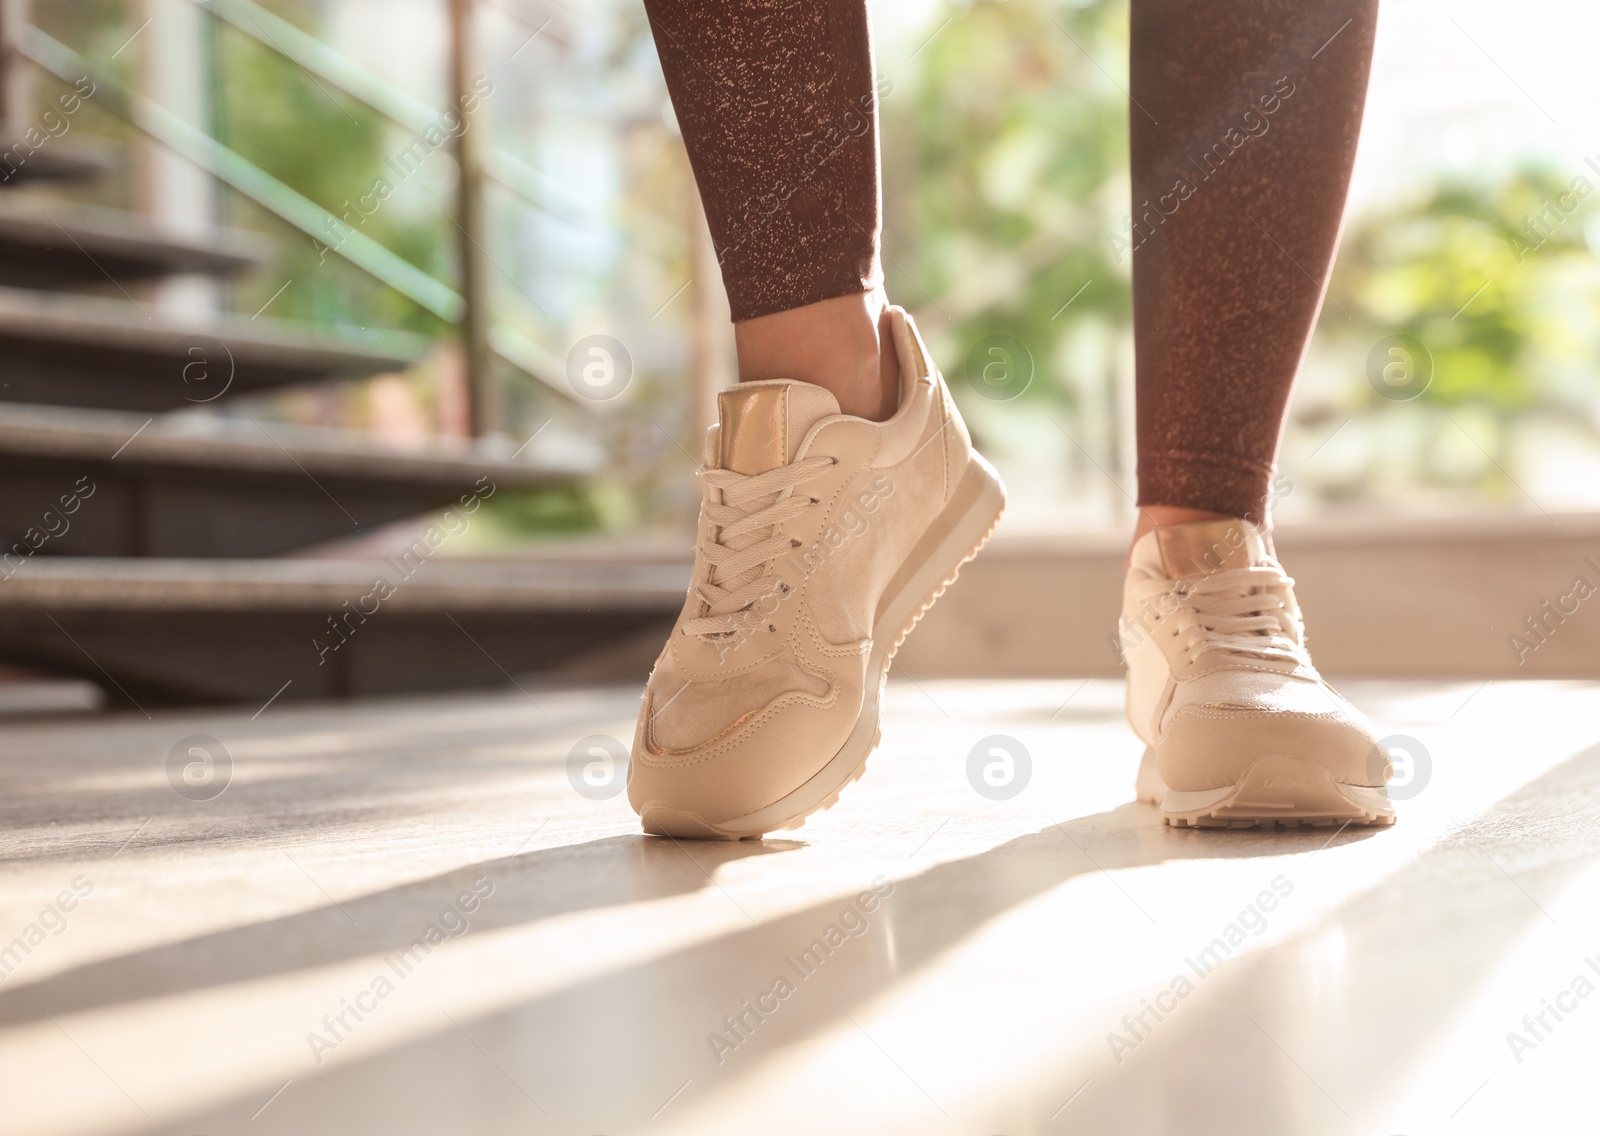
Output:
x=1243 y=119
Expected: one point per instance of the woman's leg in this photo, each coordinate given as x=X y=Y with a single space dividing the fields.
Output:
x=778 y=111
x=1244 y=130
x=821 y=539
x=1245 y=119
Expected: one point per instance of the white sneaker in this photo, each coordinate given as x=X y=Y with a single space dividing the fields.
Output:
x=1239 y=728
x=823 y=539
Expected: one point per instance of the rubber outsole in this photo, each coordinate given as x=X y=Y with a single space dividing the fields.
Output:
x=845 y=768
x=1276 y=791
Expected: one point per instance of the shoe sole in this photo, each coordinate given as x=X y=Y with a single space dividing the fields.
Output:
x=1278 y=791
x=956 y=535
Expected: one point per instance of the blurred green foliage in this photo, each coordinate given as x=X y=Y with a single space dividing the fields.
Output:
x=559 y=509
x=1005 y=157
x=1465 y=270
x=330 y=149
x=1499 y=283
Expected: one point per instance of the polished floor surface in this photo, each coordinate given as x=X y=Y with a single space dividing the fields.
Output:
x=436 y=916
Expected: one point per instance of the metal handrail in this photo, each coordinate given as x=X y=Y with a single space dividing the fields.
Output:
x=195 y=145
x=300 y=47
x=245 y=177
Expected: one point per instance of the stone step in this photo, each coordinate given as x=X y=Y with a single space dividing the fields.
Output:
x=66 y=350
x=157 y=631
x=60 y=246
x=185 y=485
x=26 y=159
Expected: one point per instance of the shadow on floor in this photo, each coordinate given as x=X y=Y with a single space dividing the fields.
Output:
x=612 y=1048
x=527 y=888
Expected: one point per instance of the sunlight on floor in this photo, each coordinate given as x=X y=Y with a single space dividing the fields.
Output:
x=401 y=917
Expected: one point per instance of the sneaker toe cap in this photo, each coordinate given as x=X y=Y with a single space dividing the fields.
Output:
x=1210 y=746
x=732 y=757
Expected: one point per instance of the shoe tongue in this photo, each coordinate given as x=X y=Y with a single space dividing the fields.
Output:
x=763 y=423
x=1200 y=548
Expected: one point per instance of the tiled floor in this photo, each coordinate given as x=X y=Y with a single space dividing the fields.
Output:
x=923 y=959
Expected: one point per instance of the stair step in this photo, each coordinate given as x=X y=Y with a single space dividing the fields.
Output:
x=209 y=487
x=83 y=351
x=23 y=162
x=64 y=247
x=164 y=631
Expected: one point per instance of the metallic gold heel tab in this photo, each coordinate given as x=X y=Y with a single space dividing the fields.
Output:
x=755 y=427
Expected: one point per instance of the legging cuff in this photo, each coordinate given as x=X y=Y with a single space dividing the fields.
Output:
x=1232 y=484
x=752 y=296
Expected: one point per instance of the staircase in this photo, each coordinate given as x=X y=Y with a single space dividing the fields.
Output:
x=161 y=553
x=153 y=631
x=73 y=350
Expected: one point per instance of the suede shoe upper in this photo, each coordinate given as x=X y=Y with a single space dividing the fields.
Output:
x=807 y=516
x=1218 y=673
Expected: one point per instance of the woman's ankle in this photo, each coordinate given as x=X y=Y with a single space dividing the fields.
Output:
x=842 y=344
x=1153 y=517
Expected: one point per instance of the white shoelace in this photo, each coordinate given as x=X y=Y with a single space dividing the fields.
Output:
x=745 y=511
x=1237 y=610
